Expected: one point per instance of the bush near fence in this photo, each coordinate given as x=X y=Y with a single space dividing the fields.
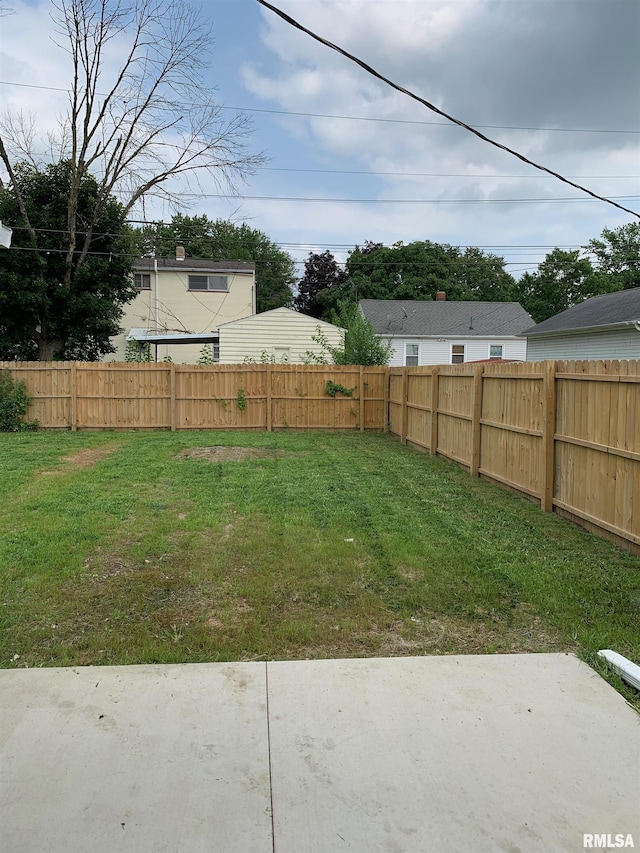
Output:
x=565 y=433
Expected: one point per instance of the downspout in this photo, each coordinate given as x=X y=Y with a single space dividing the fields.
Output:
x=636 y=325
x=627 y=670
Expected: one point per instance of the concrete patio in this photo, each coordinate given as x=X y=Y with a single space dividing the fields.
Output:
x=511 y=753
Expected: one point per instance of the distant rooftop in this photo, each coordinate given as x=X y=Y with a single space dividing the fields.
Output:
x=413 y=318
x=192 y=264
x=621 y=308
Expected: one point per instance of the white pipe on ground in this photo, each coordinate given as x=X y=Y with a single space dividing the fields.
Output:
x=629 y=671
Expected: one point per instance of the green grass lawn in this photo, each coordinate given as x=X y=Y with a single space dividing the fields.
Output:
x=118 y=548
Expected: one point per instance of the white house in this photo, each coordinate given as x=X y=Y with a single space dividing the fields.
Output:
x=280 y=335
x=181 y=302
x=442 y=332
x=603 y=327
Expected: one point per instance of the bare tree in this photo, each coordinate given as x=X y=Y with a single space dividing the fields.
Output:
x=143 y=127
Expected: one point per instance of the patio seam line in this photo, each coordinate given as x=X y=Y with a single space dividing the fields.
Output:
x=266 y=686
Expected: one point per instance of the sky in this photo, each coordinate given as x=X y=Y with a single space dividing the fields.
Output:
x=557 y=80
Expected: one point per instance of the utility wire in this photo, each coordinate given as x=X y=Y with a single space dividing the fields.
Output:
x=361 y=118
x=417 y=200
x=430 y=174
x=183 y=228
x=435 y=109
x=460 y=262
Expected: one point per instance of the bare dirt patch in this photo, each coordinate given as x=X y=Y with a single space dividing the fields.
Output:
x=87 y=458
x=220 y=453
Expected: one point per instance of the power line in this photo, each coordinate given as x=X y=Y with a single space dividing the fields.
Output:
x=183 y=227
x=416 y=201
x=454 y=262
x=362 y=118
x=435 y=109
x=432 y=174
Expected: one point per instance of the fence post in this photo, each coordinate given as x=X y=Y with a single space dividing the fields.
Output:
x=361 y=381
x=269 y=397
x=386 y=417
x=548 y=432
x=172 y=392
x=433 y=447
x=476 y=413
x=74 y=397
x=405 y=391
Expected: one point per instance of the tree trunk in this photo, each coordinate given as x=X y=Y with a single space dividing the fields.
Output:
x=48 y=348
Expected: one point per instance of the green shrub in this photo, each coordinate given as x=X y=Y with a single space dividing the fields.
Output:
x=14 y=402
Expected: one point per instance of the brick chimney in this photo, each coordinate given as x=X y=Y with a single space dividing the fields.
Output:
x=441 y=296
x=180 y=251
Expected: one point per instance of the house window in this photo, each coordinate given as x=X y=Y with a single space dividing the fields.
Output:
x=282 y=355
x=457 y=353
x=142 y=280
x=411 y=354
x=208 y=282
x=495 y=351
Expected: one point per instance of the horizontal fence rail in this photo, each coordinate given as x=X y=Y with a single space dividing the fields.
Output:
x=565 y=433
x=115 y=395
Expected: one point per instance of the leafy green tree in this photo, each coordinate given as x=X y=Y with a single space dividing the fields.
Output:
x=55 y=304
x=420 y=269
x=361 y=344
x=221 y=239
x=483 y=277
x=617 y=254
x=141 y=120
x=562 y=280
x=321 y=275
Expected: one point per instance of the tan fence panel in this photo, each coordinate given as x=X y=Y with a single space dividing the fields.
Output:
x=455 y=413
x=115 y=395
x=220 y=396
x=396 y=380
x=49 y=385
x=511 y=423
x=375 y=404
x=300 y=401
x=418 y=417
x=598 y=444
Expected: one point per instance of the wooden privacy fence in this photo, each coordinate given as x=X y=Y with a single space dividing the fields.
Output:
x=114 y=395
x=566 y=432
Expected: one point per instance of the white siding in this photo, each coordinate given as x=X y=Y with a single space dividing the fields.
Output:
x=620 y=344
x=438 y=350
x=271 y=334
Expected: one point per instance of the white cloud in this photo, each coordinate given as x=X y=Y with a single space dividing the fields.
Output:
x=532 y=63
x=488 y=63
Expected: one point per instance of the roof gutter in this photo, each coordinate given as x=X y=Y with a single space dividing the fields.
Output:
x=634 y=324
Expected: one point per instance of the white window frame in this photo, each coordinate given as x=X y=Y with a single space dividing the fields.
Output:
x=282 y=355
x=492 y=346
x=415 y=354
x=215 y=283
x=145 y=280
x=457 y=354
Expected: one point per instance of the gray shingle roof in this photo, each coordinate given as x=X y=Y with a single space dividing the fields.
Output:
x=411 y=318
x=191 y=264
x=608 y=309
